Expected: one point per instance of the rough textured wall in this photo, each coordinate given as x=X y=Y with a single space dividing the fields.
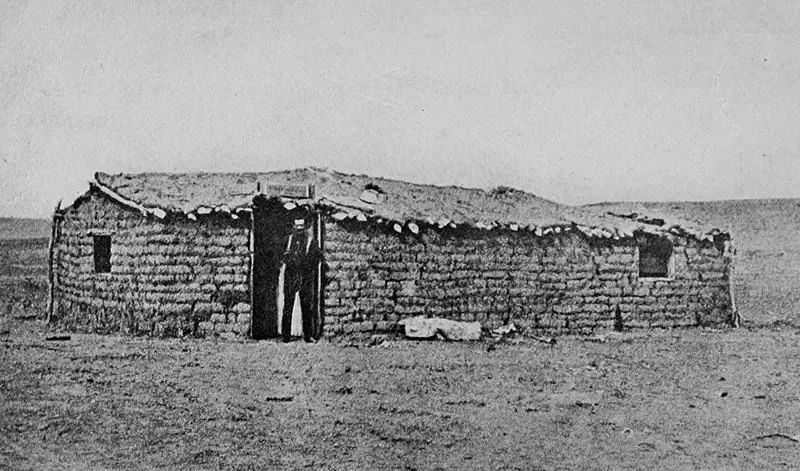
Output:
x=562 y=283
x=184 y=277
x=168 y=278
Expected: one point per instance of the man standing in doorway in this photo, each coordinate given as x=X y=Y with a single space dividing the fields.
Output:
x=300 y=258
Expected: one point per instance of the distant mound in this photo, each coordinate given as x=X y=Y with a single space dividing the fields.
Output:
x=24 y=228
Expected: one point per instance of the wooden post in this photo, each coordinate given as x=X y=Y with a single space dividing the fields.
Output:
x=318 y=322
x=51 y=250
x=251 y=243
x=735 y=320
x=318 y=291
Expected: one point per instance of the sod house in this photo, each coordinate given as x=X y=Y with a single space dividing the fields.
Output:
x=199 y=254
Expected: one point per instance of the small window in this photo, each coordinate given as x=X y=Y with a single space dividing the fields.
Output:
x=654 y=257
x=102 y=253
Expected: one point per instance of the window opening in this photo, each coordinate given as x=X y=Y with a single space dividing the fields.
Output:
x=102 y=253
x=654 y=257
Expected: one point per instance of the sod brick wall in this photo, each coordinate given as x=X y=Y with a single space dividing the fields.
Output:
x=556 y=284
x=167 y=278
x=181 y=277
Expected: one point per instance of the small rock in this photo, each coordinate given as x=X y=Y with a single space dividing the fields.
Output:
x=547 y=340
x=377 y=340
x=505 y=330
x=228 y=335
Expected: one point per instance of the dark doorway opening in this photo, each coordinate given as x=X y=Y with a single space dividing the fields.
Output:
x=272 y=225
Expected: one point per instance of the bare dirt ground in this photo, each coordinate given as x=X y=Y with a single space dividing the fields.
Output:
x=663 y=399
x=684 y=399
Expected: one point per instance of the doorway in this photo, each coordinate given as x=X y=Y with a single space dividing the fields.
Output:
x=272 y=224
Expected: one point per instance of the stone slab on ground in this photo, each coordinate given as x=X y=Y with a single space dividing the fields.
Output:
x=421 y=327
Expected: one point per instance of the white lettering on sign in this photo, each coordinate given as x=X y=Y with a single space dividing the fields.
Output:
x=290 y=190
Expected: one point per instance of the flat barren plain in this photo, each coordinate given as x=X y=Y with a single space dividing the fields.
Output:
x=657 y=399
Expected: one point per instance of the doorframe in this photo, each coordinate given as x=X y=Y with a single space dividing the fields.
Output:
x=319 y=305
x=264 y=271
x=263 y=325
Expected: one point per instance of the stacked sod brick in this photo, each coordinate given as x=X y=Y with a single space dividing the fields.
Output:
x=177 y=277
x=173 y=277
x=560 y=283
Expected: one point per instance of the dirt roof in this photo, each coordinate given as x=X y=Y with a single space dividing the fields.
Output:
x=395 y=202
x=665 y=220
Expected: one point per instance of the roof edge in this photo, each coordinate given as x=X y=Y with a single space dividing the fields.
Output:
x=342 y=210
x=160 y=213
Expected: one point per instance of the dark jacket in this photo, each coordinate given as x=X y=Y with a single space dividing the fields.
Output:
x=300 y=250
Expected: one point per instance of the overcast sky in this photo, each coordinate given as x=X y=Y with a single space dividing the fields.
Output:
x=577 y=101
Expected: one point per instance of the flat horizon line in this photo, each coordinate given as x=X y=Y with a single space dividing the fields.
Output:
x=600 y=203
